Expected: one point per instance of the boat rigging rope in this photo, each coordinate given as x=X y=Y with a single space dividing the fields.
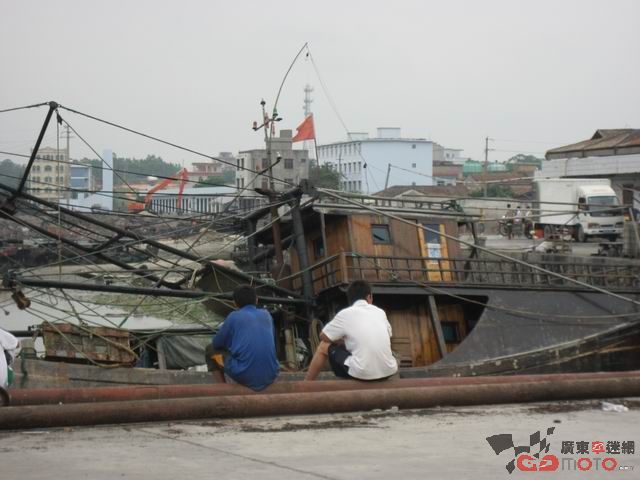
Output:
x=162 y=300
x=111 y=167
x=115 y=171
x=171 y=144
x=24 y=107
x=161 y=141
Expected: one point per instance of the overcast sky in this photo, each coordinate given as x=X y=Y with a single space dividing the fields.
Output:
x=532 y=75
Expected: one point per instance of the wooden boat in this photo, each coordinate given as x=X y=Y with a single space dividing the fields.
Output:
x=452 y=313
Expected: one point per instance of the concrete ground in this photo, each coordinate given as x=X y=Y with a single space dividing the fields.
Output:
x=438 y=443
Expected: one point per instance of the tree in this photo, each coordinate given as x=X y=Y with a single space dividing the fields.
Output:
x=323 y=176
x=11 y=173
x=132 y=170
x=495 y=190
x=522 y=158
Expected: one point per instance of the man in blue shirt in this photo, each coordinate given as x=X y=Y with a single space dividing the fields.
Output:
x=247 y=338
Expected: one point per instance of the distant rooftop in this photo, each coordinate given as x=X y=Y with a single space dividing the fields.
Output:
x=458 y=190
x=383 y=134
x=605 y=142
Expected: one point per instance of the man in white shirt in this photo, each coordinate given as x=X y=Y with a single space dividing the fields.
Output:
x=357 y=341
x=9 y=348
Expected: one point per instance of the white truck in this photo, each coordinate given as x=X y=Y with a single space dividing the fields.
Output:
x=582 y=206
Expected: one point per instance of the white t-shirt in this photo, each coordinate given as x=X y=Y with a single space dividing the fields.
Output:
x=10 y=344
x=367 y=336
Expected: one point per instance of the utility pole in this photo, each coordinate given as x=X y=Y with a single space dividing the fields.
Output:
x=386 y=180
x=277 y=237
x=486 y=164
x=65 y=169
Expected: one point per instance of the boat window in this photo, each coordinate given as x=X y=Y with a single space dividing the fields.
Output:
x=381 y=234
x=430 y=236
x=432 y=240
x=450 y=332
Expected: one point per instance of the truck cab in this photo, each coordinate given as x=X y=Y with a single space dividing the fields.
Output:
x=599 y=213
x=583 y=207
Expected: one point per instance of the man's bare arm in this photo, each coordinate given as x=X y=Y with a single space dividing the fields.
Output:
x=319 y=358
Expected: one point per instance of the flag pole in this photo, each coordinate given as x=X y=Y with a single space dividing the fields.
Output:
x=315 y=146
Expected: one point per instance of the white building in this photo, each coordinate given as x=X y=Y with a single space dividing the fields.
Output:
x=207 y=200
x=200 y=171
x=444 y=154
x=363 y=162
x=83 y=195
x=292 y=167
x=49 y=175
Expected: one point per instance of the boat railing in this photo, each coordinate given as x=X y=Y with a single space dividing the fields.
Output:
x=399 y=203
x=345 y=267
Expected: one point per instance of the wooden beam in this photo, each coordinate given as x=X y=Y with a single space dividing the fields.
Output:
x=437 y=327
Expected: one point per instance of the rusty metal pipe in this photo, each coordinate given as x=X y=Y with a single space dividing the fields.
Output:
x=44 y=416
x=43 y=396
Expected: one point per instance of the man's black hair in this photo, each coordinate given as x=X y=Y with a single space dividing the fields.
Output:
x=245 y=295
x=358 y=290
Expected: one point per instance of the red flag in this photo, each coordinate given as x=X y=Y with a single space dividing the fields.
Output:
x=306 y=131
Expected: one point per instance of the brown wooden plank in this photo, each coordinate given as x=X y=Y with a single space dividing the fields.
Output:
x=437 y=328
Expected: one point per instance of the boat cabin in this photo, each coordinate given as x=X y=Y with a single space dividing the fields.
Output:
x=401 y=249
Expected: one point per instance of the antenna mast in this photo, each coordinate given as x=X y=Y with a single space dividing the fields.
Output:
x=308 y=89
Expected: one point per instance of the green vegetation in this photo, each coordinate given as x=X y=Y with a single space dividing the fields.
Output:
x=133 y=170
x=10 y=173
x=324 y=176
x=522 y=158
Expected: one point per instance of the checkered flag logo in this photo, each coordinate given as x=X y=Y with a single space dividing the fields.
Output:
x=504 y=441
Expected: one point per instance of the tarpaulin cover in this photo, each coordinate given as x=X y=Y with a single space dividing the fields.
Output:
x=183 y=351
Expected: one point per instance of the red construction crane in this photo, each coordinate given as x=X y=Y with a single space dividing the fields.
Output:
x=182 y=176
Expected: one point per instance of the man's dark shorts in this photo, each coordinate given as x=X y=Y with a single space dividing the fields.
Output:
x=338 y=354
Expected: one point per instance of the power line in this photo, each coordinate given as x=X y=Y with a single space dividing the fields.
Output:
x=24 y=107
x=525 y=141
x=126 y=172
x=171 y=144
x=516 y=151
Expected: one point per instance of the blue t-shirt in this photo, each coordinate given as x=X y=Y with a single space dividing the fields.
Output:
x=247 y=334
